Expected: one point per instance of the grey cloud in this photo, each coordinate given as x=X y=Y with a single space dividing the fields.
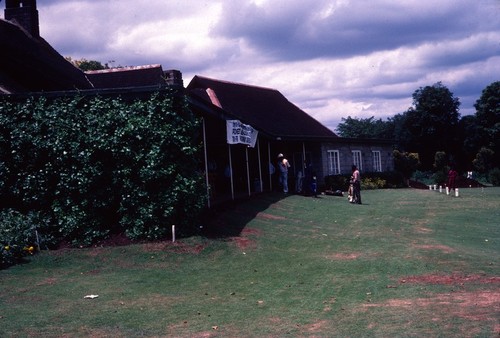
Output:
x=359 y=28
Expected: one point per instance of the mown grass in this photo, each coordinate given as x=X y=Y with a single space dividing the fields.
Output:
x=406 y=263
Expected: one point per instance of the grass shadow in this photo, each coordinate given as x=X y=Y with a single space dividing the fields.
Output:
x=218 y=225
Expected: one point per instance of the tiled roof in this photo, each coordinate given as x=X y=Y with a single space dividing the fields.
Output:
x=123 y=77
x=263 y=108
x=29 y=64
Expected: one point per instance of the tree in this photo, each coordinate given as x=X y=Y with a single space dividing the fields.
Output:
x=488 y=119
x=484 y=160
x=397 y=128
x=488 y=105
x=440 y=160
x=406 y=163
x=364 y=128
x=86 y=65
x=472 y=138
x=432 y=123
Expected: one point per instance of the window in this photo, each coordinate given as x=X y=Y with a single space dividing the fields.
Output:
x=333 y=162
x=377 y=164
x=356 y=159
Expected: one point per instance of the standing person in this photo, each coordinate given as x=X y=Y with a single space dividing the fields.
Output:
x=350 y=191
x=300 y=180
x=452 y=175
x=356 y=185
x=283 y=166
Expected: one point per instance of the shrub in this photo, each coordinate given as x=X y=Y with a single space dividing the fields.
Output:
x=494 y=176
x=376 y=180
x=406 y=163
x=21 y=235
x=425 y=177
x=337 y=182
x=440 y=177
x=373 y=183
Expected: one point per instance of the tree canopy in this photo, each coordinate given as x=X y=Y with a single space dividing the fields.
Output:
x=432 y=122
x=363 y=128
x=488 y=120
x=433 y=125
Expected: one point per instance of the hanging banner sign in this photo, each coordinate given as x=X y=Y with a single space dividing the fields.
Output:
x=238 y=132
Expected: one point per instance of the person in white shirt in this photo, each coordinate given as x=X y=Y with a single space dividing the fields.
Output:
x=283 y=166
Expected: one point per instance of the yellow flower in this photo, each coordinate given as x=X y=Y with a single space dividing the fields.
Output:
x=7 y=248
x=29 y=249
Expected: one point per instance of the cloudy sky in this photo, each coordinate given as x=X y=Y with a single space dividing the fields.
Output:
x=332 y=58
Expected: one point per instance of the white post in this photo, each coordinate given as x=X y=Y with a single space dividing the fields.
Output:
x=269 y=163
x=37 y=240
x=173 y=233
x=206 y=163
x=231 y=171
x=440 y=188
x=456 y=192
x=447 y=190
x=248 y=172
x=430 y=187
x=435 y=186
x=260 y=166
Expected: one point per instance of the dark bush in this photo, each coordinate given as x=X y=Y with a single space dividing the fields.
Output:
x=494 y=176
x=337 y=182
x=440 y=177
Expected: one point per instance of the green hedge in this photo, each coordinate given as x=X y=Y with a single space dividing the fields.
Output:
x=101 y=165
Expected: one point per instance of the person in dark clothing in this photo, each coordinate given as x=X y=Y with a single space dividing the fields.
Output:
x=310 y=182
x=356 y=185
x=452 y=176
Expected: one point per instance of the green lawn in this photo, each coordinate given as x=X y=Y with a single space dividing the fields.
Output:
x=406 y=263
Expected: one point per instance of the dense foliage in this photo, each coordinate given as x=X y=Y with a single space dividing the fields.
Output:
x=363 y=128
x=434 y=126
x=488 y=120
x=96 y=166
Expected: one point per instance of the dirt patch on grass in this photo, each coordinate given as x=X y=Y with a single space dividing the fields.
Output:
x=174 y=247
x=344 y=256
x=244 y=242
x=264 y=215
x=460 y=299
x=454 y=279
x=443 y=248
x=423 y=230
x=477 y=309
x=47 y=281
x=250 y=231
x=315 y=327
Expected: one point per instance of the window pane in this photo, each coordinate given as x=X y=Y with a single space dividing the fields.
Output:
x=356 y=159
x=333 y=162
x=377 y=164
